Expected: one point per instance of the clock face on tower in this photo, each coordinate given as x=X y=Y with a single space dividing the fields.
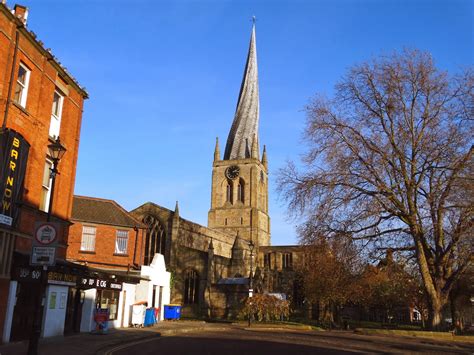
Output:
x=232 y=171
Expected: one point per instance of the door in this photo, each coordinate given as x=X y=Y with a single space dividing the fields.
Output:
x=75 y=299
x=27 y=298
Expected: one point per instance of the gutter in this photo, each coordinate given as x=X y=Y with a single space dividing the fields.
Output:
x=12 y=75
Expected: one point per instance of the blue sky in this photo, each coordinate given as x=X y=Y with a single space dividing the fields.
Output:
x=164 y=76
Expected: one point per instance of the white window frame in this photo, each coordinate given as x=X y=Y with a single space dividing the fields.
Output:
x=88 y=238
x=24 y=86
x=46 y=189
x=55 y=124
x=121 y=241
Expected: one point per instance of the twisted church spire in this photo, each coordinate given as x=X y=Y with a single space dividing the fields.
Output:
x=245 y=125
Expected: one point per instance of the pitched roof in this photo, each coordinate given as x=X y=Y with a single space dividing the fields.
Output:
x=97 y=210
x=245 y=125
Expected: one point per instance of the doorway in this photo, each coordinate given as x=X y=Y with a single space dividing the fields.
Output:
x=75 y=299
x=27 y=295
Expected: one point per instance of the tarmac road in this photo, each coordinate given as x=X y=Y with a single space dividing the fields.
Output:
x=238 y=341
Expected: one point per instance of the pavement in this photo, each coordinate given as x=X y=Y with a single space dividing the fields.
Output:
x=89 y=344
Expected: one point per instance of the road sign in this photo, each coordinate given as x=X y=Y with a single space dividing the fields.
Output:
x=43 y=256
x=6 y=220
x=46 y=233
x=45 y=239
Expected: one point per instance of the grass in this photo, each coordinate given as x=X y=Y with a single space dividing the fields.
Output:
x=379 y=325
x=417 y=333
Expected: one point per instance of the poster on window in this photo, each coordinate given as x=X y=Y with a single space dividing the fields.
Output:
x=13 y=159
x=52 y=300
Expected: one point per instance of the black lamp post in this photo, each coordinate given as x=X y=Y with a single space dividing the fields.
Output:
x=56 y=151
x=251 y=246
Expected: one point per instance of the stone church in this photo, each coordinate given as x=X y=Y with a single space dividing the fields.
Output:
x=210 y=265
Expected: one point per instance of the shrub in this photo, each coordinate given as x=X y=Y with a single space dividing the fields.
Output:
x=266 y=308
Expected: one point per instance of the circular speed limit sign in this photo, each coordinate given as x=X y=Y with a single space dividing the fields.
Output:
x=46 y=234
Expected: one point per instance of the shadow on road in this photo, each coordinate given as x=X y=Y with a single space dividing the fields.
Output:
x=181 y=345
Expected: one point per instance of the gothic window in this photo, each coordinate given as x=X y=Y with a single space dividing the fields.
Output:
x=229 y=192
x=155 y=241
x=266 y=260
x=240 y=191
x=191 y=287
x=298 y=292
x=287 y=260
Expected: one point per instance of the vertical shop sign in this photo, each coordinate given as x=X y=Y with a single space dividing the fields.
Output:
x=13 y=159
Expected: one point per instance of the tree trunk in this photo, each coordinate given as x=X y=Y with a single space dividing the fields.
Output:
x=435 y=307
x=455 y=314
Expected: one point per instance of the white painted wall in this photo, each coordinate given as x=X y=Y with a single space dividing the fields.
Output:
x=54 y=313
x=129 y=301
x=88 y=308
x=158 y=276
x=7 y=326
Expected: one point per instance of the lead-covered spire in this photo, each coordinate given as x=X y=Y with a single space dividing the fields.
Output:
x=245 y=125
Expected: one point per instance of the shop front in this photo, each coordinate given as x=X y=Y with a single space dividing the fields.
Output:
x=107 y=294
x=56 y=309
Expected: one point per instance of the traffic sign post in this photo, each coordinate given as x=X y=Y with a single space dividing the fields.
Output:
x=43 y=250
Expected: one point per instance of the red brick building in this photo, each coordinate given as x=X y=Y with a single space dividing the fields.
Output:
x=110 y=242
x=39 y=101
x=104 y=235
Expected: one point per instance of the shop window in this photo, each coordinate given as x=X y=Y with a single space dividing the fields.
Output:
x=191 y=287
x=121 y=242
x=56 y=113
x=88 y=238
x=21 y=88
x=287 y=260
x=46 y=187
x=108 y=299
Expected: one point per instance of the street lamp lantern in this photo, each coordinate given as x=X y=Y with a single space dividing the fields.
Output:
x=56 y=150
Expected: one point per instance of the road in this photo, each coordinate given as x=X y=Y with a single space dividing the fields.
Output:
x=238 y=341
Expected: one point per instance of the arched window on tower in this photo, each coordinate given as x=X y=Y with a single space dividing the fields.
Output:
x=155 y=241
x=241 y=191
x=229 y=192
x=191 y=287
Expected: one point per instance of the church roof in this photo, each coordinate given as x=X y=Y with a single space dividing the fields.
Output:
x=233 y=281
x=245 y=125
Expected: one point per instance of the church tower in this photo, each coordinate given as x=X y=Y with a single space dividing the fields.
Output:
x=239 y=196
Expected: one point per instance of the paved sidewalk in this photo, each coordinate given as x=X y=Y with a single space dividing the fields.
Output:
x=89 y=344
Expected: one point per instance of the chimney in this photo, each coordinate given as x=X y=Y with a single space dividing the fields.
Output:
x=21 y=12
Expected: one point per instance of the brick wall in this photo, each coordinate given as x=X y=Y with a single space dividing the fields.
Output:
x=33 y=122
x=104 y=255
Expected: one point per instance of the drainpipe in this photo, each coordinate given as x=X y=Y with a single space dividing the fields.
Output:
x=136 y=242
x=12 y=75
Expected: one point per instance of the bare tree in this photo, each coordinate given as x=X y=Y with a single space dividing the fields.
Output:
x=390 y=163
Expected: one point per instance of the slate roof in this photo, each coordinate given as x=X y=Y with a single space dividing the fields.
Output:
x=233 y=281
x=245 y=125
x=102 y=211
